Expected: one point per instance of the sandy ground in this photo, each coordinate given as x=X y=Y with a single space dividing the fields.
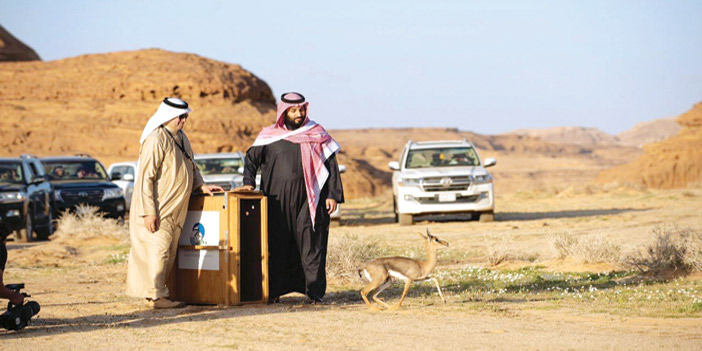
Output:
x=83 y=306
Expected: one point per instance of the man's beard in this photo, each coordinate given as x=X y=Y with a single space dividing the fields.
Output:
x=290 y=123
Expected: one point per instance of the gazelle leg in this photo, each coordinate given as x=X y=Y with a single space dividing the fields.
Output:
x=369 y=289
x=378 y=291
x=438 y=288
x=404 y=293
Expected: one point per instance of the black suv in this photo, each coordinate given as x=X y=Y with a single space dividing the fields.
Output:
x=25 y=199
x=83 y=180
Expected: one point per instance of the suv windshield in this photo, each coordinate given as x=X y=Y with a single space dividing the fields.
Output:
x=210 y=166
x=74 y=170
x=11 y=172
x=442 y=157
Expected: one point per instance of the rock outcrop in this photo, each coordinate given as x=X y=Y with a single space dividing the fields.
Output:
x=98 y=104
x=12 y=49
x=650 y=132
x=673 y=163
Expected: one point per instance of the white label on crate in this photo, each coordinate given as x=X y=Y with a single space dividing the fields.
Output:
x=200 y=228
x=203 y=260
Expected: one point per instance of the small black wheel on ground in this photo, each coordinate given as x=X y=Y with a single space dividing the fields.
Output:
x=43 y=234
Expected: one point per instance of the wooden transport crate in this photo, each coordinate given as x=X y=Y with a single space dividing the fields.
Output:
x=223 y=251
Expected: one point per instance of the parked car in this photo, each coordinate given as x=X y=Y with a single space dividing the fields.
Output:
x=25 y=199
x=224 y=169
x=438 y=177
x=83 y=180
x=123 y=174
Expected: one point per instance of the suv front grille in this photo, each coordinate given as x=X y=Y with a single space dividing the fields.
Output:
x=446 y=183
x=82 y=195
x=459 y=200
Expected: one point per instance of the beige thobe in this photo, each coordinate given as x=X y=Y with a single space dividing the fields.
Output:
x=163 y=186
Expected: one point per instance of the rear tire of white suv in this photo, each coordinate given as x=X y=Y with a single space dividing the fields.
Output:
x=406 y=218
x=487 y=216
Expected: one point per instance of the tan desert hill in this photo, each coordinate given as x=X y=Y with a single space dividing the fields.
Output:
x=570 y=135
x=12 y=49
x=650 y=132
x=672 y=163
x=98 y=104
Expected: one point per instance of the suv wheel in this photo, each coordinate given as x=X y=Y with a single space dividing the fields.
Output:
x=487 y=216
x=25 y=234
x=406 y=218
x=43 y=234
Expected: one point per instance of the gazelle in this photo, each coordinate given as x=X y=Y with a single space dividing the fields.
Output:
x=381 y=271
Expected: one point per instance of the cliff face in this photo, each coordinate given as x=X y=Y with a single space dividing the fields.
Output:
x=98 y=104
x=672 y=163
x=12 y=49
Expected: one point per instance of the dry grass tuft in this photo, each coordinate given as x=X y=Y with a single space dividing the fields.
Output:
x=87 y=223
x=497 y=248
x=346 y=253
x=673 y=249
x=590 y=249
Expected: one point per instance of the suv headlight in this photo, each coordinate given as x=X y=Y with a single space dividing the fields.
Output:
x=11 y=196
x=112 y=193
x=409 y=181
x=482 y=178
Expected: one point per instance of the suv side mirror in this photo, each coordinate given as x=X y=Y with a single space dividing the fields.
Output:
x=394 y=165
x=128 y=177
x=342 y=168
x=489 y=162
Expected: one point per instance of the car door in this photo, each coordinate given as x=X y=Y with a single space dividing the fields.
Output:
x=42 y=190
x=33 y=196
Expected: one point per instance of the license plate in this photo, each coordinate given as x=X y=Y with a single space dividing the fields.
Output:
x=448 y=197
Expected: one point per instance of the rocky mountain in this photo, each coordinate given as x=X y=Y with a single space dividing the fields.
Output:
x=98 y=104
x=570 y=135
x=641 y=134
x=12 y=49
x=672 y=163
x=650 y=132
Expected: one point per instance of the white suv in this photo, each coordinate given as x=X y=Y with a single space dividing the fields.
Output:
x=437 y=177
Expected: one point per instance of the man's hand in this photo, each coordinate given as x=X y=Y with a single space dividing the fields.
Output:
x=152 y=223
x=244 y=188
x=208 y=189
x=17 y=298
x=331 y=205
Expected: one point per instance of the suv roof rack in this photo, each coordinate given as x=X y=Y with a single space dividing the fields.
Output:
x=83 y=155
x=27 y=156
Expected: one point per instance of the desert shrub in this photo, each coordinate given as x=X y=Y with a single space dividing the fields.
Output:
x=599 y=249
x=346 y=253
x=565 y=243
x=589 y=249
x=497 y=248
x=88 y=223
x=692 y=258
x=667 y=252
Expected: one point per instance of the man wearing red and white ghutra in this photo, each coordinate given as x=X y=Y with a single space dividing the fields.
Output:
x=300 y=176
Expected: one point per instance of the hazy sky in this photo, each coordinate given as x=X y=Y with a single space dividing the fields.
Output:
x=487 y=66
